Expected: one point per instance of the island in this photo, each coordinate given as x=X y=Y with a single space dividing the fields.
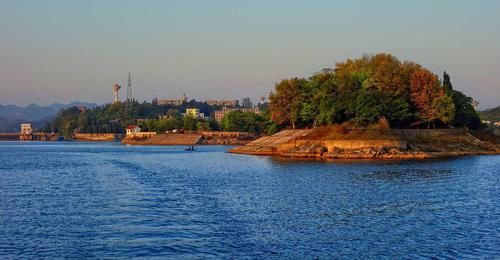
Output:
x=373 y=107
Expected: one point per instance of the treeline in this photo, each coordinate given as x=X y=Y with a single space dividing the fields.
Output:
x=368 y=89
x=114 y=118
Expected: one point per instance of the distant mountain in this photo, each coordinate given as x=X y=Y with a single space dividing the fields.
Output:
x=11 y=115
x=492 y=114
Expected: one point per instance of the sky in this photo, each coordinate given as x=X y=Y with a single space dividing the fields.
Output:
x=68 y=50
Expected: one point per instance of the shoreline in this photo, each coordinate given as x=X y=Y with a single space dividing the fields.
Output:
x=419 y=156
x=398 y=144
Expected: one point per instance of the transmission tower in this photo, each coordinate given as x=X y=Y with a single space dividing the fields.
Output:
x=129 y=88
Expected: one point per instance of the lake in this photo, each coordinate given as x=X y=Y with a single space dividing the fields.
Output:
x=106 y=200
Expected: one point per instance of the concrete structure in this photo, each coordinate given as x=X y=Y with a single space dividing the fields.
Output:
x=219 y=115
x=194 y=112
x=116 y=87
x=406 y=134
x=222 y=134
x=173 y=102
x=287 y=139
x=163 y=139
x=268 y=145
x=141 y=135
x=98 y=136
x=359 y=144
x=26 y=129
x=31 y=137
x=223 y=102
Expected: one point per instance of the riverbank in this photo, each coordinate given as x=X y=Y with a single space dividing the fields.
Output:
x=398 y=144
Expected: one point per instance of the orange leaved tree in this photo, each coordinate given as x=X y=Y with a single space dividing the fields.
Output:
x=429 y=98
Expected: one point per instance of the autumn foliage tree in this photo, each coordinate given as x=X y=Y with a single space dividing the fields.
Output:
x=429 y=97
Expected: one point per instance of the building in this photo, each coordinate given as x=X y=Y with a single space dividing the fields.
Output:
x=219 y=115
x=194 y=112
x=223 y=102
x=134 y=132
x=173 y=102
x=133 y=129
x=26 y=129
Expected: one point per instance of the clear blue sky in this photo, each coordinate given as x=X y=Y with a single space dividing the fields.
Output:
x=66 y=50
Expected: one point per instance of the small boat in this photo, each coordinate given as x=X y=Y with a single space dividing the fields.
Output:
x=189 y=149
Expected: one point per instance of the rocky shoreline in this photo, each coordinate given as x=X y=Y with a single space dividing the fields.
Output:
x=384 y=154
x=428 y=145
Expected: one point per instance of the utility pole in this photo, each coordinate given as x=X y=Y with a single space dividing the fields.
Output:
x=129 y=89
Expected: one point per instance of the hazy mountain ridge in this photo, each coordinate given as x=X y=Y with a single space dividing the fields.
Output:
x=11 y=115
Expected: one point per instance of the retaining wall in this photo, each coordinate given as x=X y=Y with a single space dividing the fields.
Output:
x=359 y=144
x=97 y=136
x=426 y=133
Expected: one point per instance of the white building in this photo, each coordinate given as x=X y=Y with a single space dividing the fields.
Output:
x=133 y=129
x=26 y=129
x=223 y=102
x=173 y=102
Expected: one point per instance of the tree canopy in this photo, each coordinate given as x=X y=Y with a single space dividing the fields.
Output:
x=367 y=89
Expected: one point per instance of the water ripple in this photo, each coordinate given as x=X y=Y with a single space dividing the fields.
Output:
x=95 y=200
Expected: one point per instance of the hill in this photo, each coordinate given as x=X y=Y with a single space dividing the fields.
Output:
x=492 y=114
x=11 y=115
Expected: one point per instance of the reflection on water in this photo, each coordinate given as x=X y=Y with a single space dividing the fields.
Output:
x=97 y=200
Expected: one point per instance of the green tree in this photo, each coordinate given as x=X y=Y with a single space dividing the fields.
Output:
x=244 y=122
x=465 y=114
x=190 y=123
x=368 y=106
x=285 y=102
x=202 y=126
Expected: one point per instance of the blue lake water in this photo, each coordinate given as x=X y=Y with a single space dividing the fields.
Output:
x=98 y=200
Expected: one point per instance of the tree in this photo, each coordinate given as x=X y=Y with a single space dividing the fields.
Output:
x=368 y=106
x=429 y=97
x=244 y=122
x=247 y=102
x=189 y=123
x=202 y=126
x=465 y=113
x=386 y=74
x=448 y=87
x=285 y=102
x=445 y=108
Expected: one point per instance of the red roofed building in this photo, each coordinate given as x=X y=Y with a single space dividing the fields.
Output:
x=133 y=129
